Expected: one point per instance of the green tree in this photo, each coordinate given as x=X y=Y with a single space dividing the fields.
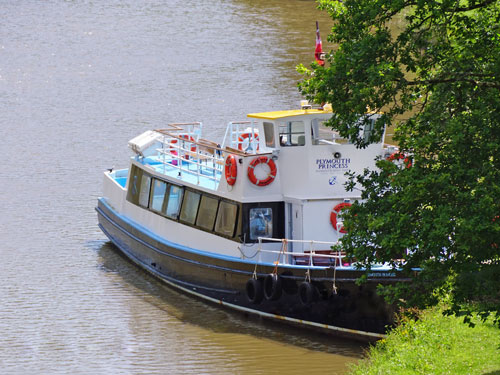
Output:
x=439 y=66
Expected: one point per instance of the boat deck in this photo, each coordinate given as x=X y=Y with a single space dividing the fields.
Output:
x=196 y=171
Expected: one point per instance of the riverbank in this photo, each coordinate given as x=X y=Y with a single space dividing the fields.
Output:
x=435 y=344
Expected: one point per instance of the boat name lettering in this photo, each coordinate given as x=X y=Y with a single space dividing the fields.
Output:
x=381 y=274
x=328 y=164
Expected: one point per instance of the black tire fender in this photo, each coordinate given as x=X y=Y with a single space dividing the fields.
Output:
x=273 y=287
x=254 y=290
x=308 y=293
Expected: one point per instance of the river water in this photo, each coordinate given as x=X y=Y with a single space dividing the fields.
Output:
x=78 y=79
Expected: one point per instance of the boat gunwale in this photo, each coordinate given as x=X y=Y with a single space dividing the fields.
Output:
x=236 y=260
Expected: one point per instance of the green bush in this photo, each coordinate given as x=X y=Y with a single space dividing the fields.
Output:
x=435 y=344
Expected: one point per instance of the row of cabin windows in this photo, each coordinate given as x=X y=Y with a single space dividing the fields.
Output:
x=196 y=209
x=292 y=133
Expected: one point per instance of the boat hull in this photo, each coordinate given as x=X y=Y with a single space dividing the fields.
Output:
x=353 y=311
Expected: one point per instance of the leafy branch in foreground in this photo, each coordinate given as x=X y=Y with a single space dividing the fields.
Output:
x=438 y=64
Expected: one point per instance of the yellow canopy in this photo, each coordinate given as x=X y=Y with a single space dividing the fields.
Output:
x=281 y=114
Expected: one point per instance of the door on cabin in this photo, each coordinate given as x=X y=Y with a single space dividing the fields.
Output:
x=294 y=227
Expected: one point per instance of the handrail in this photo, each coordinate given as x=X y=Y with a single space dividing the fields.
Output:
x=201 y=142
x=180 y=146
x=311 y=254
x=206 y=158
x=233 y=132
x=297 y=241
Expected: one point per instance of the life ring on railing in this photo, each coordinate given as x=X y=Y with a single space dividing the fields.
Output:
x=187 y=138
x=272 y=287
x=231 y=169
x=333 y=215
x=248 y=136
x=396 y=156
x=272 y=171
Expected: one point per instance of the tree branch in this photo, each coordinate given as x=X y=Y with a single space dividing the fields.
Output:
x=472 y=7
x=453 y=80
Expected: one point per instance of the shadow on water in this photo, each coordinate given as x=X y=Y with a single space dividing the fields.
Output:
x=189 y=310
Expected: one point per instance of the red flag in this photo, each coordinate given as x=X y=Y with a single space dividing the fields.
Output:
x=318 y=52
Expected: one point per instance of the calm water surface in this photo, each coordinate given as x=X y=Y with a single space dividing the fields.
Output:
x=78 y=79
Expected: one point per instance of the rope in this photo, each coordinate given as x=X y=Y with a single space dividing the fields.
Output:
x=334 y=287
x=311 y=252
x=246 y=256
x=284 y=246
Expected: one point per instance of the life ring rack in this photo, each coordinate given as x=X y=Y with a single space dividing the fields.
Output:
x=248 y=136
x=231 y=170
x=334 y=214
x=272 y=170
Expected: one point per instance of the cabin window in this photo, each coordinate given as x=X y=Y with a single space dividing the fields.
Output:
x=269 y=134
x=134 y=185
x=144 y=193
x=325 y=135
x=174 y=201
x=189 y=207
x=207 y=212
x=226 y=218
x=261 y=223
x=292 y=133
x=158 y=195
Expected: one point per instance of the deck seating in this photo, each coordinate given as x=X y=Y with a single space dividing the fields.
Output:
x=305 y=260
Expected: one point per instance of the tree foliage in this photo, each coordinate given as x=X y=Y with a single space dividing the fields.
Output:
x=438 y=64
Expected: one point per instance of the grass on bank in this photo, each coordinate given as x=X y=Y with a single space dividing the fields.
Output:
x=435 y=344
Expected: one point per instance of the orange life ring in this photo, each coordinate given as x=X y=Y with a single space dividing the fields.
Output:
x=398 y=156
x=270 y=176
x=248 y=136
x=333 y=215
x=231 y=170
x=187 y=138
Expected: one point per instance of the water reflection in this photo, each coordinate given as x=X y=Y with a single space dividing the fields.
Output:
x=78 y=79
x=209 y=334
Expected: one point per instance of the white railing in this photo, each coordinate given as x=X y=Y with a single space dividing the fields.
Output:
x=241 y=135
x=198 y=158
x=314 y=257
x=192 y=129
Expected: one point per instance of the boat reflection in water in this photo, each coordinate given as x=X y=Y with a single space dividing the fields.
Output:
x=249 y=223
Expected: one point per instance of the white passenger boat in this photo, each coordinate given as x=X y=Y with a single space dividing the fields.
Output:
x=249 y=223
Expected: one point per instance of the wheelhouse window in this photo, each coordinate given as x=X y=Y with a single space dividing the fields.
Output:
x=226 y=218
x=158 y=195
x=269 y=134
x=207 y=212
x=368 y=129
x=174 y=201
x=325 y=135
x=292 y=133
x=145 y=189
x=189 y=207
x=261 y=223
